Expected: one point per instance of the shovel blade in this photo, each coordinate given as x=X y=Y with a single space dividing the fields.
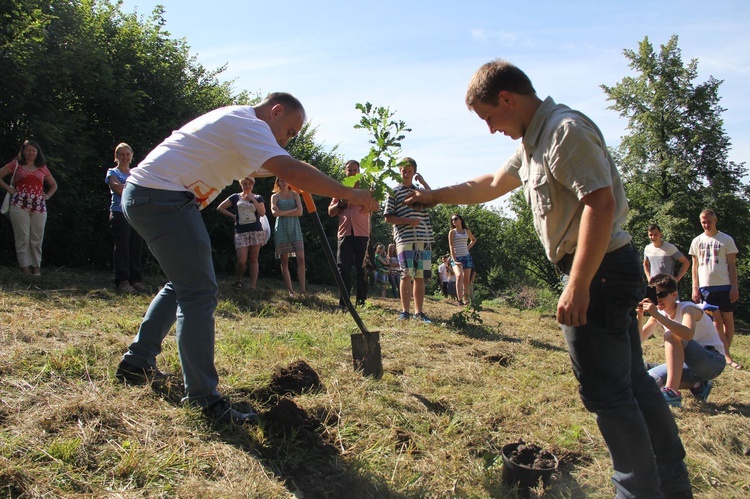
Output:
x=366 y=354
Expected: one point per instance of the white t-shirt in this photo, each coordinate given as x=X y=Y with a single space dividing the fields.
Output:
x=210 y=152
x=705 y=331
x=662 y=259
x=711 y=252
x=444 y=274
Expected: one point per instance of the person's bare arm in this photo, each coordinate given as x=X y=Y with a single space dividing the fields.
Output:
x=734 y=291
x=683 y=327
x=115 y=185
x=222 y=208
x=647 y=329
x=479 y=190
x=472 y=240
x=451 y=248
x=394 y=220
x=684 y=266
x=4 y=172
x=593 y=238
x=696 y=296
x=51 y=186
x=647 y=268
x=308 y=178
x=419 y=178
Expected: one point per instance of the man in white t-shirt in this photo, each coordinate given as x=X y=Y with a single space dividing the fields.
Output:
x=715 y=277
x=162 y=201
x=660 y=257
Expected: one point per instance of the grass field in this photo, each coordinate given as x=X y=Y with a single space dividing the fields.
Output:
x=433 y=426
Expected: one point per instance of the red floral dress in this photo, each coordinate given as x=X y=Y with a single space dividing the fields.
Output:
x=29 y=187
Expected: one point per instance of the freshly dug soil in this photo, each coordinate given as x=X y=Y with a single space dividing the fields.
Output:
x=532 y=456
x=295 y=379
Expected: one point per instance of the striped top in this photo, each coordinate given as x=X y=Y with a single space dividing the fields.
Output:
x=460 y=243
x=402 y=233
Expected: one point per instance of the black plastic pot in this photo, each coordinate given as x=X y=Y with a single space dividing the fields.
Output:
x=523 y=476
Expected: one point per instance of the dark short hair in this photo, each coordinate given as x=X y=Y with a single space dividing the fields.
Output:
x=494 y=77
x=666 y=281
x=653 y=227
x=407 y=161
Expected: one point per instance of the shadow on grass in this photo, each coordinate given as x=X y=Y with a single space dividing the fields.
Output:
x=293 y=445
x=546 y=346
x=716 y=409
x=297 y=450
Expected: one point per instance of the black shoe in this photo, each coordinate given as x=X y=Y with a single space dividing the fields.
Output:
x=128 y=373
x=220 y=411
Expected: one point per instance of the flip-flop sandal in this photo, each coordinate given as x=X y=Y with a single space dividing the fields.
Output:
x=736 y=365
x=238 y=286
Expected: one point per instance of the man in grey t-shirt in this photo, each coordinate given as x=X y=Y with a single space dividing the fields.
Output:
x=660 y=257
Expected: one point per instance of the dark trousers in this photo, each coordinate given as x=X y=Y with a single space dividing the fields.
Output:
x=632 y=415
x=128 y=247
x=352 y=250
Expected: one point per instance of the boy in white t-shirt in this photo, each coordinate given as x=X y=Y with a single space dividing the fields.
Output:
x=162 y=201
x=660 y=257
x=715 y=277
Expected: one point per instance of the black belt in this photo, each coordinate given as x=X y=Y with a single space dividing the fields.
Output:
x=565 y=263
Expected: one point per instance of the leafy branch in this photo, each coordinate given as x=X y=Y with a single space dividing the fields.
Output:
x=381 y=163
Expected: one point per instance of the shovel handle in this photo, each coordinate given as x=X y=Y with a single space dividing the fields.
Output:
x=312 y=209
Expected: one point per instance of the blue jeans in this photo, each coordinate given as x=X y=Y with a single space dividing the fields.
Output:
x=172 y=226
x=701 y=364
x=633 y=417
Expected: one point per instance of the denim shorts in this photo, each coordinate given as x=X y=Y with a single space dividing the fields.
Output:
x=465 y=261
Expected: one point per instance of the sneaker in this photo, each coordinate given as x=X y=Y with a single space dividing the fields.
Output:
x=420 y=316
x=702 y=391
x=221 y=412
x=139 y=287
x=673 y=398
x=128 y=373
x=403 y=315
x=126 y=288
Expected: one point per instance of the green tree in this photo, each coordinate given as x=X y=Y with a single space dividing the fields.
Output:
x=674 y=159
x=80 y=76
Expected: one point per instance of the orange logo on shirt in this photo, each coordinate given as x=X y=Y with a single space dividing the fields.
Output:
x=202 y=193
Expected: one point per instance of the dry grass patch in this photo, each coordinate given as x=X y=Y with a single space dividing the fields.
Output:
x=433 y=426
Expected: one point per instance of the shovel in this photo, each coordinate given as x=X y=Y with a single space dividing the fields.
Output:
x=366 y=344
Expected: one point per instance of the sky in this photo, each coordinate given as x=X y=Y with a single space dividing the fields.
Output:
x=417 y=57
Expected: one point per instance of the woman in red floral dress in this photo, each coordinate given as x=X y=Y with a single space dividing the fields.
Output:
x=28 y=206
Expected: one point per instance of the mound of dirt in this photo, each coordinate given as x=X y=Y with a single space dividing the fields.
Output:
x=295 y=379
